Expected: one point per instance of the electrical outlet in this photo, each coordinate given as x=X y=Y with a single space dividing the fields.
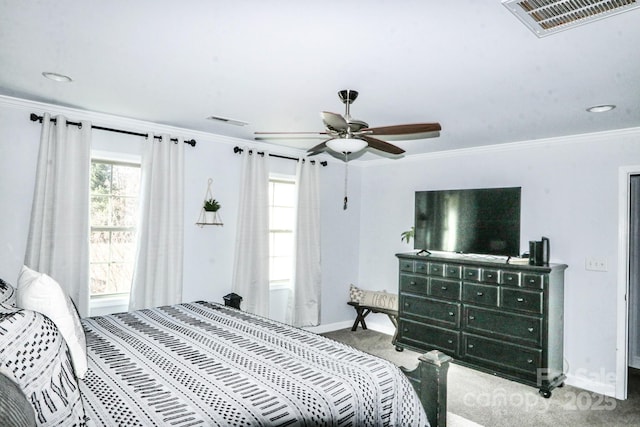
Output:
x=594 y=263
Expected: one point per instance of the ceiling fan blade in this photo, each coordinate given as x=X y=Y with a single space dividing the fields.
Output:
x=263 y=136
x=334 y=122
x=318 y=148
x=381 y=145
x=403 y=129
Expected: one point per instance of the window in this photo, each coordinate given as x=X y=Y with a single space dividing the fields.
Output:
x=113 y=216
x=282 y=209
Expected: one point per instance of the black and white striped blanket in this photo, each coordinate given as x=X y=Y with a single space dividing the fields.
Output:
x=204 y=364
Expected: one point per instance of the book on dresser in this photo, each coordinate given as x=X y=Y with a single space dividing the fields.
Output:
x=505 y=319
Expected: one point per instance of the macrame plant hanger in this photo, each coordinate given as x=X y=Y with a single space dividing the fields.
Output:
x=209 y=217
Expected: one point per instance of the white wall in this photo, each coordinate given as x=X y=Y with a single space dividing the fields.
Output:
x=569 y=194
x=209 y=251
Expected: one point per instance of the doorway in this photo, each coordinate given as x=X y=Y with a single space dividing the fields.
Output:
x=628 y=287
x=634 y=271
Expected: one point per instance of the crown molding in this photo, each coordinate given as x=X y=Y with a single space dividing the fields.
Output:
x=514 y=146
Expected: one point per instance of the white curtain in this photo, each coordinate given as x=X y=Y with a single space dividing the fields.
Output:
x=251 y=265
x=305 y=305
x=58 y=241
x=157 y=278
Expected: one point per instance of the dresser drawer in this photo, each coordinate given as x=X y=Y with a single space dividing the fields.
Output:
x=497 y=353
x=471 y=273
x=406 y=265
x=510 y=278
x=533 y=281
x=421 y=267
x=436 y=269
x=413 y=283
x=437 y=312
x=480 y=294
x=525 y=328
x=453 y=271
x=489 y=276
x=443 y=288
x=516 y=299
x=428 y=337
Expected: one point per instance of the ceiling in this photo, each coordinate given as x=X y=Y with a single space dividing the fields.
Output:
x=470 y=65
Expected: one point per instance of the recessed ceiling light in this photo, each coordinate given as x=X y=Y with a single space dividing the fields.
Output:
x=57 y=77
x=601 y=108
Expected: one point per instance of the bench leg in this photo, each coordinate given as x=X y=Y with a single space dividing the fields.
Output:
x=361 y=314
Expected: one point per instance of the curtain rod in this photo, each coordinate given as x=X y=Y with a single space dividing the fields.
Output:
x=238 y=150
x=36 y=118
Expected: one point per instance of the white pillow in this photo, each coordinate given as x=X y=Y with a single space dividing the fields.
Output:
x=39 y=292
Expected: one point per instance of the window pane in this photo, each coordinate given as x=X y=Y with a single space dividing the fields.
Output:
x=282 y=244
x=99 y=211
x=99 y=274
x=280 y=268
x=99 y=246
x=283 y=218
x=123 y=246
x=126 y=181
x=284 y=194
x=121 y=275
x=100 y=178
x=124 y=211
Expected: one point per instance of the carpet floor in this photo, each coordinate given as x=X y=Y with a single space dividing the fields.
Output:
x=476 y=398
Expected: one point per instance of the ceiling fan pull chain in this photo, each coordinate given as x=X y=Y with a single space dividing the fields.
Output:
x=346 y=178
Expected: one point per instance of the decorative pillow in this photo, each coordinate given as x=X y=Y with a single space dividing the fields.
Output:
x=39 y=292
x=7 y=294
x=380 y=299
x=35 y=357
x=355 y=294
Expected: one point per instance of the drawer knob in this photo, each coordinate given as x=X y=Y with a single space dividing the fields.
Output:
x=412 y=283
x=470 y=345
x=509 y=278
x=451 y=313
x=450 y=341
x=406 y=329
x=490 y=276
x=530 y=329
x=520 y=299
x=472 y=317
x=529 y=361
x=479 y=293
x=406 y=304
x=444 y=288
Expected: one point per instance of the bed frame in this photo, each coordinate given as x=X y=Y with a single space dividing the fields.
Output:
x=430 y=382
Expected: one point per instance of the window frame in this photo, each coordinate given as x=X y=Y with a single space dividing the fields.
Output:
x=98 y=301
x=288 y=180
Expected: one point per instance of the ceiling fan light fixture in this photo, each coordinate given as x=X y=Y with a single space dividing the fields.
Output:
x=347 y=145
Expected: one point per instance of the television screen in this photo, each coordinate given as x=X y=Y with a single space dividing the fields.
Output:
x=476 y=221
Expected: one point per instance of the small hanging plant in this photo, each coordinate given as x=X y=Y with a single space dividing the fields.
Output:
x=211 y=205
x=408 y=235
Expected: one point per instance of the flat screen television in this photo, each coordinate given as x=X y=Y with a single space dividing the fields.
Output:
x=473 y=221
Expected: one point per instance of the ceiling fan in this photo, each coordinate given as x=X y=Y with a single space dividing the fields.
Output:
x=346 y=135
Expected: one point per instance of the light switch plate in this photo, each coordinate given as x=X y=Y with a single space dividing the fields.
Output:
x=595 y=263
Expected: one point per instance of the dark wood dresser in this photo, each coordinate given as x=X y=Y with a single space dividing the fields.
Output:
x=505 y=319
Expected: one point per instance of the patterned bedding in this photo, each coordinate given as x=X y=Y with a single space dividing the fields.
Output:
x=204 y=364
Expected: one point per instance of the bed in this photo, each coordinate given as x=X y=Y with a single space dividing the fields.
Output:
x=206 y=364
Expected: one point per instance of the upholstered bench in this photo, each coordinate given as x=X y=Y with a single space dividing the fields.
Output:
x=366 y=302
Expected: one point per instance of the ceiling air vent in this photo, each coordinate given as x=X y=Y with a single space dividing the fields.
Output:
x=545 y=17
